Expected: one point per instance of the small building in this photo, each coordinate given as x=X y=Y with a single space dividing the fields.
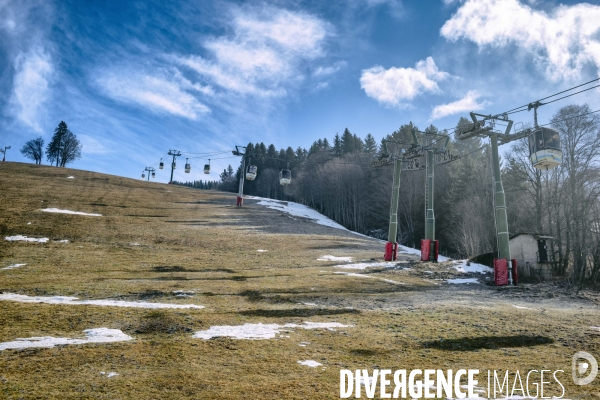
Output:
x=534 y=258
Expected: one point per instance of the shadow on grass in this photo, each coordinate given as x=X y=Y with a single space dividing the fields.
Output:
x=487 y=342
x=295 y=312
x=178 y=268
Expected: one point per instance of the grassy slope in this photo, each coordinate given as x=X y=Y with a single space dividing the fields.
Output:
x=154 y=239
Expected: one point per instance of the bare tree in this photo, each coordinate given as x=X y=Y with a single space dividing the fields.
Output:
x=34 y=149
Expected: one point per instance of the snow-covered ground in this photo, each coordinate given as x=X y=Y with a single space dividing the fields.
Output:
x=20 y=298
x=297 y=210
x=58 y=211
x=463 y=280
x=21 y=238
x=367 y=265
x=334 y=258
x=261 y=331
x=97 y=335
x=310 y=363
x=13 y=266
x=474 y=267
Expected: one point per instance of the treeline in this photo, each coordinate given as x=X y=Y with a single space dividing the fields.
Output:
x=206 y=185
x=336 y=178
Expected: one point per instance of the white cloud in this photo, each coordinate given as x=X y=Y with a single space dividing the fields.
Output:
x=562 y=42
x=395 y=86
x=263 y=54
x=466 y=104
x=156 y=93
x=33 y=72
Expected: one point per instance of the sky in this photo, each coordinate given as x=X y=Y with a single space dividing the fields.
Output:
x=134 y=79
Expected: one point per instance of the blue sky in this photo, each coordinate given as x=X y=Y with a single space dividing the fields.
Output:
x=133 y=79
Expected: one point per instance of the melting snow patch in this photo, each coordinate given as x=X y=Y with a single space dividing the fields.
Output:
x=474 y=267
x=109 y=375
x=70 y=177
x=523 y=308
x=56 y=210
x=97 y=335
x=13 y=266
x=310 y=304
x=366 y=265
x=261 y=331
x=297 y=210
x=310 y=363
x=62 y=241
x=74 y=301
x=334 y=258
x=596 y=328
x=303 y=344
x=261 y=250
x=21 y=238
x=463 y=280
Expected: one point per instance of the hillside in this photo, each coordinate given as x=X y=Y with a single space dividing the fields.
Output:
x=161 y=277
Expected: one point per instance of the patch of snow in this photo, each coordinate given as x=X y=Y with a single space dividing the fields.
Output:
x=523 y=308
x=261 y=250
x=21 y=238
x=56 y=210
x=474 y=267
x=297 y=210
x=334 y=258
x=62 y=241
x=109 y=375
x=261 y=331
x=596 y=328
x=311 y=304
x=13 y=266
x=310 y=363
x=97 y=335
x=29 y=223
x=303 y=344
x=366 y=265
x=74 y=301
x=462 y=280
x=70 y=177
x=428 y=272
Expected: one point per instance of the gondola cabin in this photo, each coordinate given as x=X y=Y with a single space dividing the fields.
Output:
x=544 y=149
x=251 y=172
x=285 y=177
x=153 y=175
x=161 y=165
x=207 y=168
x=173 y=165
x=188 y=167
x=143 y=175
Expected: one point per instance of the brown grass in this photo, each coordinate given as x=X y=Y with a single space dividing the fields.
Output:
x=155 y=239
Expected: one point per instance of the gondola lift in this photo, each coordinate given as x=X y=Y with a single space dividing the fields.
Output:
x=251 y=172
x=161 y=165
x=207 y=167
x=285 y=176
x=188 y=167
x=153 y=174
x=143 y=175
x=544 y=148
x=173 y=165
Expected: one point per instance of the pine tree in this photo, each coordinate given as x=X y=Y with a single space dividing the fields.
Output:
x=370 y=145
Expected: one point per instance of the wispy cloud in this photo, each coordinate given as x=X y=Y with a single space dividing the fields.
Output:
x=467 y=103
x=33 y=72
x=395 y=87
x=263 y=55
x=332 y=69
x=562 y=42
x=157 y=93
x=92 y=145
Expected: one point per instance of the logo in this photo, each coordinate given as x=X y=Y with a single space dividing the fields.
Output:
x=580 y=368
